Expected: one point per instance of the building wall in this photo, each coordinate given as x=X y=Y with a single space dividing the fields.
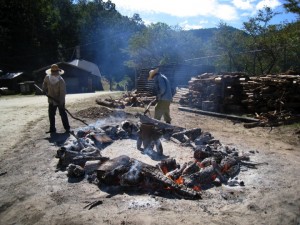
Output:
x=77 y=80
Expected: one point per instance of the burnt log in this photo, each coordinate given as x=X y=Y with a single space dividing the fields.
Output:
x=110 y=103
x=75 y=171
x=105 y=103
x=109 y=172
x=158 y=181
x=82 y=159
x=192 y=134
x=67 y=156
x=125 y=171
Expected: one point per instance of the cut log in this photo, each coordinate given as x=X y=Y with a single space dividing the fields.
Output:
x=192 y=134
x=105 y=103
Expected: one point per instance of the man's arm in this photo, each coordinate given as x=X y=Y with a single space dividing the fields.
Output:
x=45 y=85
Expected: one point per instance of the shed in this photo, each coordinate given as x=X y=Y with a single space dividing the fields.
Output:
x=12 y=80
x=78 y=80
x=178 y=75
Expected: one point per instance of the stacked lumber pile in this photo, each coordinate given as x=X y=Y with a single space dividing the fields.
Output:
x=217 y=93
x=272 y=92
x=238 y=93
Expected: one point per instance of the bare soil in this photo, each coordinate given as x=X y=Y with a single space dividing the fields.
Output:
x=34 y=192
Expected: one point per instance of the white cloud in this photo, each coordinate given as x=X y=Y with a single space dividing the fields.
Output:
x=243 y=4
x=269 y=3
x=225 y=12
x=179 y=8
x=174 y=12
x=186 y=25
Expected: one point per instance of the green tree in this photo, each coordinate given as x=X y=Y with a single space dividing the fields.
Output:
x=290 y=47
x=292 y=6
x=159 y=44
x=104 y=34
x=263 y=42
x=228 y=44
x=31 y=32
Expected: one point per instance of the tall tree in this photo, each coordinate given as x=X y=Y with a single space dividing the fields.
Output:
x=31 y=32
x=228 y=44
x=160 y=44
x=292 y=6
x=263 y=42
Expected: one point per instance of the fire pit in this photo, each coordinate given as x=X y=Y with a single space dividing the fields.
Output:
x=108 y=155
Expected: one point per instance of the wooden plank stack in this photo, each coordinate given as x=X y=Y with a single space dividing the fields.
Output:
x=212 y=92
x=239 y=93
x=272 y=92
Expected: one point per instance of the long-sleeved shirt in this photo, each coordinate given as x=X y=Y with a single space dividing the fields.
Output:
x=56 y=90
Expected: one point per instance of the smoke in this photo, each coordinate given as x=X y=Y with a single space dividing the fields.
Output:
x=135 y=169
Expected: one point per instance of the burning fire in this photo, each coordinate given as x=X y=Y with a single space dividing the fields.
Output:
x=180 y=180
x=197 y=188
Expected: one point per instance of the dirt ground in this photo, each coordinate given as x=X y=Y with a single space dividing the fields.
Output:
x=34 y=192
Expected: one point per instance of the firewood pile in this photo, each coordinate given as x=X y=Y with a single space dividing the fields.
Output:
x=132 y=99
x=271 y=96
x=217 y=93
x=272 y=92
x=273 y=119
x=213 y=164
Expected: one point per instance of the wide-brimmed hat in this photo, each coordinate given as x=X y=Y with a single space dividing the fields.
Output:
x=152 y=73
x=54 y=69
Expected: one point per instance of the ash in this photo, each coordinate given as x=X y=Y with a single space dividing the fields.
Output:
x=99 y=152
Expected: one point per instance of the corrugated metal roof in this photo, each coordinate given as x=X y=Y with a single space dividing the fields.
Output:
x=10 y=76
x=88 y=66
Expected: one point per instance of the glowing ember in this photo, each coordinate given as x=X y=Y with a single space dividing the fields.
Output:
x=179 y=180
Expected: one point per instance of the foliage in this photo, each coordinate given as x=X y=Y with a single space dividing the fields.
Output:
x=34 y=34
x=292 y=6
x=228 y=45
x=267 y=42
x=159 y=44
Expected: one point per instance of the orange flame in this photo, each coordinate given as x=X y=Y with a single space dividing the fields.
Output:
x=197 y=188
x=179 y=180
x=225 y=168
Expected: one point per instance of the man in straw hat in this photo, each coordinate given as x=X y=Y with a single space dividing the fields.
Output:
x=164 y=95
x=55 y=87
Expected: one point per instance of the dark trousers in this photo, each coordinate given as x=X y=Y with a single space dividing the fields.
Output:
x=63 y=115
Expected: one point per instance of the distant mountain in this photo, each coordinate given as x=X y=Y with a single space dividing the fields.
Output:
x=207 y=33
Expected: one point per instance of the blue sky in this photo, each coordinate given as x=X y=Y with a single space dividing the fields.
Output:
x=196 y=14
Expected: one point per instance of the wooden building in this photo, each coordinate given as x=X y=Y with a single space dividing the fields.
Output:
x=12 y=81
x=178 y=75
x=78 y=79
